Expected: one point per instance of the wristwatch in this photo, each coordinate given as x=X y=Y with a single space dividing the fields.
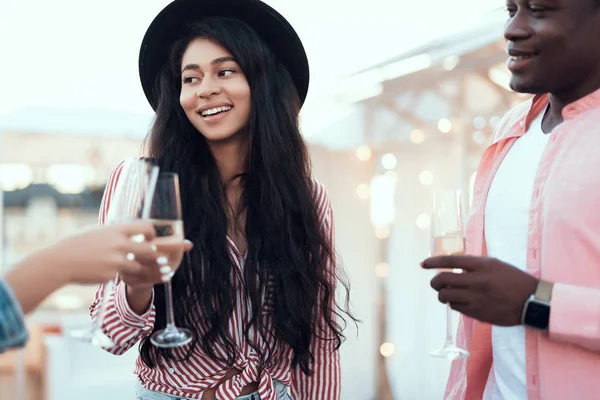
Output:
x=536 y=313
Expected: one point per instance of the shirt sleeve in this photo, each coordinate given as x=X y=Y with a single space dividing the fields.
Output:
x=575 y=316
x=325 y=381
x=13 y=332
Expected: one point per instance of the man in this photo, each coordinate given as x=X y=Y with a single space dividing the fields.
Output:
x=530 y=288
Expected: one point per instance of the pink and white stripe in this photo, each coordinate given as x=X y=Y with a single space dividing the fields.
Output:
x=191 y=378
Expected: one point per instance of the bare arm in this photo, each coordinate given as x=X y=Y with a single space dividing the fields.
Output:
x=35 y=278
x=90 y=257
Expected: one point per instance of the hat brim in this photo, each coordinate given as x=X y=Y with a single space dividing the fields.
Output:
x=171 y=23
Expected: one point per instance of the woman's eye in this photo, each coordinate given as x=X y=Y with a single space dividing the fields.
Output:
x=226 y=72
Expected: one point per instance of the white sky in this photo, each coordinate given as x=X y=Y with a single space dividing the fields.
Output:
x=82 y=53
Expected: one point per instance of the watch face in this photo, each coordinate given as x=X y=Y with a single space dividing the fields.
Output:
x=537 y=315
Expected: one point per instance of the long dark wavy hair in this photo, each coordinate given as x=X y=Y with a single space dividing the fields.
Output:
x=287 y=246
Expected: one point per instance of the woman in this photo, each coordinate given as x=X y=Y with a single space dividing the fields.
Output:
x=89 y=257
x=227 y=80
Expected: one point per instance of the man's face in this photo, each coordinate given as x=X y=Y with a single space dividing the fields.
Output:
x=552 y=44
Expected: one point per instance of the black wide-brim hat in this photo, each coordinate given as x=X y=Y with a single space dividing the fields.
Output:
x=171 y=23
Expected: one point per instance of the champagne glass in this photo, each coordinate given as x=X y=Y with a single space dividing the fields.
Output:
x=165 y=214
x=130 y=200
x=447 y=238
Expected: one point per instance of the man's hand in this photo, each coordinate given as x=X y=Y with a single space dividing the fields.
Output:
x=488 y=289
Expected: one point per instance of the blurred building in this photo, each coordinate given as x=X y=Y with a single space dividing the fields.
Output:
x=53 y=167
x=418 y=122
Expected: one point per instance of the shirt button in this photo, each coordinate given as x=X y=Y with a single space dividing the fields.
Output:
x=146 y=328
x=171 y=370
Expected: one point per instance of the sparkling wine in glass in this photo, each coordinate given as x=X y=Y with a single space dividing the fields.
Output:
x=446 y=245
x=129 y=201
x=165 y=214
x=447 y=238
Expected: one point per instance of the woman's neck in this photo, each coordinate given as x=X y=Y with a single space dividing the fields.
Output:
x=230 y=158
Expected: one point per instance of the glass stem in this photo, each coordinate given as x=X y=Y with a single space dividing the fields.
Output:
x=449 y=335
x=169 y=304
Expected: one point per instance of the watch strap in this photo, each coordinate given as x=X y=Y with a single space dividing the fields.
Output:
x=544 y=291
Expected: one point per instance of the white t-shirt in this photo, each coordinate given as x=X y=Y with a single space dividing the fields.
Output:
x=506 y=226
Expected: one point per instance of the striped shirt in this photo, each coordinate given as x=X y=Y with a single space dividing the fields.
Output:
x=200 y=372
x=13 y=332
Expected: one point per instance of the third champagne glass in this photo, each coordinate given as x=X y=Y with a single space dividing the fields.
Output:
x=447 y=236
x=165 y=214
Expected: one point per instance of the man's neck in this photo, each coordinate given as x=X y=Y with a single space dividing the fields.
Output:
x=553 y=117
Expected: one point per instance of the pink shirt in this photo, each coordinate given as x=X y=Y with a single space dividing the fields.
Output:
x=192 y=377
x=563 y=247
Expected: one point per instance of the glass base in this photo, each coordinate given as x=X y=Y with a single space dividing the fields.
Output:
x=450 y=352
x=93 y=336
x=171 y=337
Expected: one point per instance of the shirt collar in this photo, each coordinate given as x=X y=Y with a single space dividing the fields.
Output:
x=570 y=111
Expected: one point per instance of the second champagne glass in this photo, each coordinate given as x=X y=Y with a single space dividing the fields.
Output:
x=129 y=201
x=447 y=237
x=165 y=214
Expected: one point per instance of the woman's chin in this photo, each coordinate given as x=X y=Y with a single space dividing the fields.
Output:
x=224 y=136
